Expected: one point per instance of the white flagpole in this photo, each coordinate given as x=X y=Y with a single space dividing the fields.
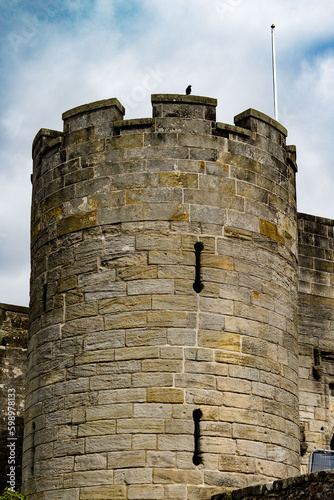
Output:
x=274 y=70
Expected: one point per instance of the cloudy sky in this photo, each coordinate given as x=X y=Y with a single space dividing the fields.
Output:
x=58 y=54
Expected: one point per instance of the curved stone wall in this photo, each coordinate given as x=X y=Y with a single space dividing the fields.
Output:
x=138 y=385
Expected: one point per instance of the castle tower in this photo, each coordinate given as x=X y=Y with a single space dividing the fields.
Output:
x=163 y=350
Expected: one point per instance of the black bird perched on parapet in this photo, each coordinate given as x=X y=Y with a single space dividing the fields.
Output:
x=188 y=90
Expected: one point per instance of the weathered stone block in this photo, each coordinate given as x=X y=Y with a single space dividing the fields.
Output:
x=178 y=179
x=97 y=428
x=62 y=494
x=206 y=367
x=145 y=492
x=104 y=340
x=144 y=442
x=118 y=367
x=170 y=258
x=93 y=461
x=72 y=386
x=138 y=272
x=174 y=319
x=97 y=444
x=173 y=491
x=125 y=320
x=54 y=466
x=217 y=261
x=213 y=215
x=181 y=336
x=101 y=382
x=216 y=306
x=204 y=397
x=121 y=459
x=116 y=492
x=136 y=353
x=104 y=291
x=157 y=410
x=165 y=395
x=219 y=340
x=122 y=396
x=162 y=365
x=251 y=448
x=149 y=379
x=178 y=426
x=158 y=242
x=133 y=476
x=76 y=222
x=227 y=384
x=195 y=380
x=81 y=326
x=141 y=425
x=87 y=478
x=270 y=230
x=95 y=357
x=174 y=302
x=138 y=337
x=229 y=463
x=123 y=304
x=149 y=286
x=169 y=475
x=122 y=410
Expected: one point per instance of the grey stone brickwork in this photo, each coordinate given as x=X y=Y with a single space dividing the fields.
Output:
x=316 y=328
x=316 y=486
x=123 y=350
x=13 y=352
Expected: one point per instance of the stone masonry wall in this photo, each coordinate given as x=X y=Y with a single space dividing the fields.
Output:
x=13 y=352
x=316 y=329
x=316 y=486
x=139 y=385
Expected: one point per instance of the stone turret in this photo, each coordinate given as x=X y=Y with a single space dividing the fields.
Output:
x=163 y=345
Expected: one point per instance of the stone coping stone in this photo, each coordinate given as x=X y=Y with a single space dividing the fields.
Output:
x=46 y=132
x=292 y=149
x=315 y=218
x=233 y=129
x=186 y=99
x=93 y=106
x=314 y=486
x=253 y=113
x=14 y=308
x=134 y=122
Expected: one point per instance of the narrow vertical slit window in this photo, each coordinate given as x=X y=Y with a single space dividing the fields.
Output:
x=197 y=415
x=33 y=449
x=45 y=286
x=317 y=364
x=198 y=285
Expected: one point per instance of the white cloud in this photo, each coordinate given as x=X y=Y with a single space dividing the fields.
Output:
x=83 y=51
x=325 y=79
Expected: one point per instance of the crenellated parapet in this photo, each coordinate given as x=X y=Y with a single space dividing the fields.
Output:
x=182 y=127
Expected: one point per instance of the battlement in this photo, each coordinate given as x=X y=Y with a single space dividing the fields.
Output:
x=183 y=127
x=184 y=106
x=171 y=113
x=258 y=122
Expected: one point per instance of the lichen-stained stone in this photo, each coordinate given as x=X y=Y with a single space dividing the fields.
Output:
x=123 y=348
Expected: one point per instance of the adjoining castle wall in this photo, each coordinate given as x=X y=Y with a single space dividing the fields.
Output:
x=316 y=334
x=13 y=352
x=139 y=385
x=319 y=485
